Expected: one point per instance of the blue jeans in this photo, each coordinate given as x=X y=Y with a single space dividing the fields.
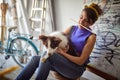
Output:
x=55 y=62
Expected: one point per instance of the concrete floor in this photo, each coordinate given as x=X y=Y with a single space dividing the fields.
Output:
x=13 y=75
x=86 y=76
x=10 y=62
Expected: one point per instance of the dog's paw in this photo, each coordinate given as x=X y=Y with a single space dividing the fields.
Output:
x=43 y=60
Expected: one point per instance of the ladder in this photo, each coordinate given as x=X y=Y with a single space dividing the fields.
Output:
x=3 y=7
x=38 y=15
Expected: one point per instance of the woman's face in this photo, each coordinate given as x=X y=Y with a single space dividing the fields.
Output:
x=83 y=20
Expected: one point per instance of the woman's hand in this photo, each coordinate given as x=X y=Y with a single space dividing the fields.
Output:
x=61 y=51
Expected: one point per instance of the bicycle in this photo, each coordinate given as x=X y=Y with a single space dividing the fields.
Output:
x=20 y=47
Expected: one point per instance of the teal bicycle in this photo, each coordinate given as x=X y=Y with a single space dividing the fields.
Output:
x=20 y=47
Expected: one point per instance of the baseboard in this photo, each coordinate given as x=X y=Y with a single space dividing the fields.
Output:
x=100 y=73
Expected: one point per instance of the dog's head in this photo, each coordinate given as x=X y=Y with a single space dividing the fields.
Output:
x=51 y=43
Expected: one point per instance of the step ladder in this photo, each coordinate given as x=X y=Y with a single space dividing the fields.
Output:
x=3 y=8
x=38 y=15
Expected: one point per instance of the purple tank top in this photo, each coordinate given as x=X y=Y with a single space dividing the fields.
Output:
x=78 y=38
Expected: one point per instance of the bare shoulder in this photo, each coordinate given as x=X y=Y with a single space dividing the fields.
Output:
x=93 y=35
x=92 y=38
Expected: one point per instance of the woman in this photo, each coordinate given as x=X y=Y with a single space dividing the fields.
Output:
x=65 y=65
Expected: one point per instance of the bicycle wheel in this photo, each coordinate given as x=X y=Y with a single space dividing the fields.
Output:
x=22 y=49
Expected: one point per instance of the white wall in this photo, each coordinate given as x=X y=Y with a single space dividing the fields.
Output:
x=66 y=9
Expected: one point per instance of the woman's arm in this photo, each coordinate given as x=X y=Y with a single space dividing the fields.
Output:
x=85 y=53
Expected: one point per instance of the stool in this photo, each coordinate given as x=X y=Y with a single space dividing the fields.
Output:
x=60 y=77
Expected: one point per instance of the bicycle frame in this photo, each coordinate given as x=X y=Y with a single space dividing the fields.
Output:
x=6 y=49
x=27 y=40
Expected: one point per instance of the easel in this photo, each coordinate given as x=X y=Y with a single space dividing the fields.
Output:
x=3 y=7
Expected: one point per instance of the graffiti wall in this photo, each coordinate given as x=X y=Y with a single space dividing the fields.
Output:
x=106 y=54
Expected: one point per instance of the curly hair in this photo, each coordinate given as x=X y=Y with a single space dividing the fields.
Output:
x=93 y=11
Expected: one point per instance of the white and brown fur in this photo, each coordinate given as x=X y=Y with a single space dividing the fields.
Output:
x=52 y=42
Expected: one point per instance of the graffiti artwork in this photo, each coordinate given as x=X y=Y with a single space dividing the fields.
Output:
x=106 y=53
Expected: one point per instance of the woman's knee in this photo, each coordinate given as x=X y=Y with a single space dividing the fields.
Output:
x=56 y=58
x=35 y=59
x=56 y=55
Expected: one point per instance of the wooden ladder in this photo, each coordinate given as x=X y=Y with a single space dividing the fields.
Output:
x=3 y=7
x=38 y=15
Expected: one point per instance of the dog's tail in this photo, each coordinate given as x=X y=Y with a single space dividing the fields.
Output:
x=8 y=70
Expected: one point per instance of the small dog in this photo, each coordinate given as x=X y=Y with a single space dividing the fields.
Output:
x=54 y=41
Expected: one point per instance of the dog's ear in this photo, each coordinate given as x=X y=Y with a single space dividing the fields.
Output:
x=43 y=38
